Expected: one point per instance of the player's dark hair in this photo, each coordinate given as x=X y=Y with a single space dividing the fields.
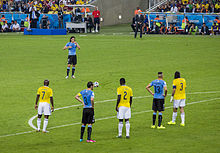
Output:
x=72 y=37
x=46 y=82
x=122 y=81
x=177 y=75
x=89 y=84
x=160 y=74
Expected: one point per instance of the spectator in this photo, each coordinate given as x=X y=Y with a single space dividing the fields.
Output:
x=154 y=28
x=45 y=9
x=193 y=30
x=16 y=27
x=204 y=30
x=212 y=9
x=137 y=10
x=163 y=29
x=4 y=27
x=139 y=20
x=194 y=9
x=214 y=29
x=174 y=9
x=96 y=15
x=60 y=17
x=34 y=17
x=11 y=26
x=44 y=22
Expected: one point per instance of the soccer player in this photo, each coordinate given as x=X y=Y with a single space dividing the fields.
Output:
x=179 y=96
x=72 y=59
x=88 y=110
x=123 y=107
x=45 y=97
x=160 y=92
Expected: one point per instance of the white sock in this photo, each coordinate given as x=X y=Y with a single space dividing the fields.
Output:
x=120 y=126
x=183 y=118
x=174 y=116
x=38 y=123
x=127 y=128
x=45 y=124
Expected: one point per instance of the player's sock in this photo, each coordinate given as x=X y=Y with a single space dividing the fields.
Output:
x=67 y=71
x=183 y=118
x=38 y=123
x=45 y=124
x=120 y=126
x=174 y=117
x=73 y=70
x=159 y=119
x=127 y=128
x=154 y=118
x=82 y=131
x=89 y=130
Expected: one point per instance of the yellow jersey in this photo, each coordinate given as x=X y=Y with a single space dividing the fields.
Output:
x=180 y=85
x=126 y=93
x=45 y=93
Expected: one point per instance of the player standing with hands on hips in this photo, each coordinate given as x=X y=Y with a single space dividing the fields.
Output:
x=179 y=96
x=72 y=59
x=160 y=92
x=88 y=110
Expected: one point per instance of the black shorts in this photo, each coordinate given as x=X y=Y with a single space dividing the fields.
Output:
x=72 y=59
x=158 y=105
x=88 y=116
x=96 y=20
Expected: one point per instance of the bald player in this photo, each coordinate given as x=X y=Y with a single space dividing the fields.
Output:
x=45 y=97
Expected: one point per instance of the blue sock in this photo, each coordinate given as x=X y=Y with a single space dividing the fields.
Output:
x=68 y=71
x=159 y=119
x=154 y=118
x=73 y=70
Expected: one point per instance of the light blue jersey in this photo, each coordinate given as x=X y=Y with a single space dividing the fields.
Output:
x=87 y=95
x=72 y=51
x=158 y=88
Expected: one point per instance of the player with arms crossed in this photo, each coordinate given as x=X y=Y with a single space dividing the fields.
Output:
x=45 y=97
x=179 y=96
x=72 y=59
x=160 y=92
x=88 y=110
x=123 y=107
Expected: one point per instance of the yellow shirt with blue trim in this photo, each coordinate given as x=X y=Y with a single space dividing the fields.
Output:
x=126 y=93
x=45 y=93
x=180 y=85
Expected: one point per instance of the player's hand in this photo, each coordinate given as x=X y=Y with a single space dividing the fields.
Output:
x=116 y=109
x=171 y=99
x=152 y=94
x=164 y=95
x=70 y=46
x=52 y=109
x=36 y=107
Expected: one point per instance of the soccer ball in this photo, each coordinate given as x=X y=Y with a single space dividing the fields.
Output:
x=96 y=84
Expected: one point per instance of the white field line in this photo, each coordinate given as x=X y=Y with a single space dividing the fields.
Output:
x=30 y=122
x=202 y=101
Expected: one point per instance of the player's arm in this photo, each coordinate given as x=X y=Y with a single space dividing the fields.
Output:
x=130 y=101
x=52 y=103
x=77 y=45
x=173 y=92
x=37 y=99
x=165 y=91
x=148 y=89
x=118 y=101
x=66 y=47
x=77 y=97
x=92 y=101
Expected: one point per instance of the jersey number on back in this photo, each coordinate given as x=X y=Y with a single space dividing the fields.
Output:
x=85 y=101
x=125 y=95
x=43 y=94
x=157 y=89
x=181 y=88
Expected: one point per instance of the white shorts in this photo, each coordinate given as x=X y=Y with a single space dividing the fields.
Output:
x=124 y=113
x=179 y=103
x=44 y=108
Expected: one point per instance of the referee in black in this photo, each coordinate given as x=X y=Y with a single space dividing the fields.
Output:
x=139 y=21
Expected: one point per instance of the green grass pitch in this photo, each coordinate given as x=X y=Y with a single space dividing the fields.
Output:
x=25 y=61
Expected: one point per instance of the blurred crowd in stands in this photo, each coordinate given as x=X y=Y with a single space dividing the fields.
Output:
x=37 y=7
x=190 y=6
